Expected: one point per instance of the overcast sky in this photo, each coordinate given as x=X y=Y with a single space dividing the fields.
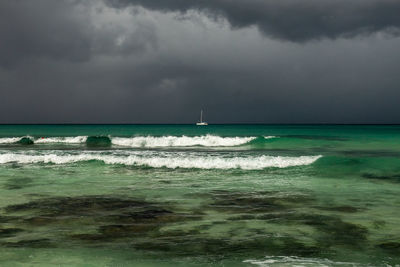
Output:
x=161 y=61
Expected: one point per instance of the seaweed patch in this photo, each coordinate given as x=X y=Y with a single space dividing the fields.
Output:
x=8 y=232
x=31 y=243
x=255 y=202
x=101 y=218
x=345 y=208
x=391 y=247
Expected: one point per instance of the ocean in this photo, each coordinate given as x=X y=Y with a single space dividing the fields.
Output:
x=184 y=195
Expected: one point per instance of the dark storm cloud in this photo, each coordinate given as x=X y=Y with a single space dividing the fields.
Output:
x=61 y=30
x=88 y=61
x=42 y=29
x=294 y=20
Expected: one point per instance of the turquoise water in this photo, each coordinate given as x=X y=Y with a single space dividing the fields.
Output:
x=223 y=195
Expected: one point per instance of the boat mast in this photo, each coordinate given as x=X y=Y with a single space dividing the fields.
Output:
x=201 y=116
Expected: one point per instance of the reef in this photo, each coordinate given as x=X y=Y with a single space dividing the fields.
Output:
x=7 y=232
x=151 y=226
x=31 y=243
x=275 y=208
x=346 y=209
x=255 y=202
x=101 y=218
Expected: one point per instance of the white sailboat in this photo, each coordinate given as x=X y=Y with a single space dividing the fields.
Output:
x=201 y=123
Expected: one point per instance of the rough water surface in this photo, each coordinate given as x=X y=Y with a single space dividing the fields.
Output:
x=159 y=195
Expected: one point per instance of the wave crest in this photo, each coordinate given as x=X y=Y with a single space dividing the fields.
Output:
x=167 y=160
x=146 y=141
x=25 y=141
x=45 y=140
x=181 y=141
x=9 y=140
x=66 y=140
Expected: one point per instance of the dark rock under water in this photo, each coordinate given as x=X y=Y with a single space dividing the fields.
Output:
x=346 y=209
x=255 y=202
x=144 y=225
x=31 y=243
x=7 y=232
x=391 y=247
x=113 y=217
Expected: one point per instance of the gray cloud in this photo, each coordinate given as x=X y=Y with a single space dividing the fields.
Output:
x=90 y=62
x=42 y=29
x=291 y=20
x=64 y=30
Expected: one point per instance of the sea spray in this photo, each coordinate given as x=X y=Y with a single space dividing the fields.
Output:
x=158 y=160
x=181 y=141
x=9 y=140
x=145 y=141
x=63 y=140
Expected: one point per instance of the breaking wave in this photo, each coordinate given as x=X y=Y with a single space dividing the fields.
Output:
x=66 y=140
x=45 y=140
x=145 y=141
x=181 y=141
x=98 y=141
x=9 y=140
x=171 y=160
x=25 y=141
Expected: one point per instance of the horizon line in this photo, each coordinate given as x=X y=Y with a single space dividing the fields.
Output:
x=244 y=123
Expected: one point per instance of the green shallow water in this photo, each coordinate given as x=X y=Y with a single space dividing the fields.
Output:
x=159 y=202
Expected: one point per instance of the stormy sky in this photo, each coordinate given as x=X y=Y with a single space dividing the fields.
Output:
x=161 y=61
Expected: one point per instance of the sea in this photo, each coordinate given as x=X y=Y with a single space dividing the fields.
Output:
x=187 y=195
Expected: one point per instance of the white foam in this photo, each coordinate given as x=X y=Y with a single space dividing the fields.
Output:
x=157 y=160
x=270 y=137
x=9 y=140
x=149 y=141
x=180 y=141
x=290 y=261
x=67 y=140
